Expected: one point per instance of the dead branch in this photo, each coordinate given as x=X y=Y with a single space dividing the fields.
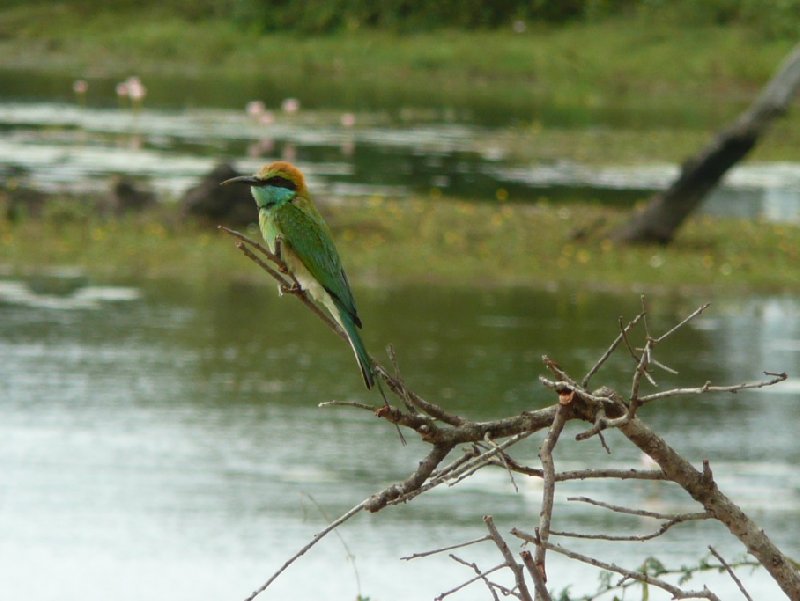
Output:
x=683 y=322
x=548 y=493
x=317 y=537
x=676 y=592
x=705 y=491
x=603 y=408
x=413 y=482
x=707 y=387
x=731 y=573
x=443 y=549
x=604 y=357
x=640 y=512
x=667 y=210
x=671 y=520
x=519 y=576
x=479 y=576
x=542 y=594
x=287 y=283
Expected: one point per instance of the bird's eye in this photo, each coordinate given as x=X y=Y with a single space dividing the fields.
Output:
x=281 y=182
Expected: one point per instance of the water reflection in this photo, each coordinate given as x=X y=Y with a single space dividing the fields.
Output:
x=169 y=434
x=59 y=147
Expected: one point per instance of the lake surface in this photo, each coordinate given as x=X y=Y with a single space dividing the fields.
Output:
x=369 y=147
x=163 y=441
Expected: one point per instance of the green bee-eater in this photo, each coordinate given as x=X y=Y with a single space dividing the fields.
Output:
x=287 y=213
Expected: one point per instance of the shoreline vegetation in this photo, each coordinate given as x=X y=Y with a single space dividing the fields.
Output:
x=430 y=241
x=681 y=77
x=642 y=68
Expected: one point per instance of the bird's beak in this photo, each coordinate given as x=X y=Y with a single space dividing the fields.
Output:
x=242 y=179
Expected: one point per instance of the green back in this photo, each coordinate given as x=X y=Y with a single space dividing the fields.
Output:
x=302 y=227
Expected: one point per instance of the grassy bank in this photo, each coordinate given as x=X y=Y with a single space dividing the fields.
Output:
x=622 y=64
x=422 y=241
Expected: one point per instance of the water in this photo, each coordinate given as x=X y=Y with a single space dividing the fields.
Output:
x=50 y=142
x=162 y=441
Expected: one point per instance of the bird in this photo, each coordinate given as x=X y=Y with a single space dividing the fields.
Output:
x=294 y=230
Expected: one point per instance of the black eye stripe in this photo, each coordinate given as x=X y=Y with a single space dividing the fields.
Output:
x=280 y=182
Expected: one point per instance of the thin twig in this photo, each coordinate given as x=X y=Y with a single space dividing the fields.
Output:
x=443 y=549
x=398 y=386
x=292 y=286
x=317 y=537
x=730 y=571
x=350 y=555
x=479 y=576
x=677 y=519
x=355 y=404
x=641 y=370
x=776 y=378
x=677 y=593
x=484 y=458
x=595 y=368
x=519 y=576
x=686 y=320
x=640 y=512
x=502 y=457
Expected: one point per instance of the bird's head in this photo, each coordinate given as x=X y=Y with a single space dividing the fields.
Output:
x=275 y=184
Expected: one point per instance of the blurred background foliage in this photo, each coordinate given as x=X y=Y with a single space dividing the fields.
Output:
x=772 y=18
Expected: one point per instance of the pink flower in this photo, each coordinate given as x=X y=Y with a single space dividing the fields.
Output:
x=80 y=86
x=136 y=89
x=347 y=119
x=290 y=105
x=255 y=108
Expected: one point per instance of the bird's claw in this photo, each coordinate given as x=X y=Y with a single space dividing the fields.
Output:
x=288 y=289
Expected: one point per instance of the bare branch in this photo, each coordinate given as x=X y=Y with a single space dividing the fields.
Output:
x=355 y=404
x=775 y=379
x=682 y=323
x=379 y=500
x=671 y=521
x=519 y=576
x=397 y=386
x=288 y=283
x=705 y=491
x=610 y=350
x=641 y=370
x=622 y=474
x=676 y=592
x=542 y=594
x=450 y=548
x=480 y=576
x=641 y=512
x=730 y=571
x=317 y=537
x=548 y=493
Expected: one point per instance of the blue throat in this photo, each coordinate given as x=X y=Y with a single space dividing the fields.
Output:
x=268 y=197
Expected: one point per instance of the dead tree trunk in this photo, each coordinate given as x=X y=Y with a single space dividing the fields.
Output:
x=667 y=210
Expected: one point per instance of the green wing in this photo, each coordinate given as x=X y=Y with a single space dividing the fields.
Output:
x=302 y=227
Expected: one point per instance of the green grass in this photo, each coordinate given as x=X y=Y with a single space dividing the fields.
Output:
x=436 y=241
x=624 y=64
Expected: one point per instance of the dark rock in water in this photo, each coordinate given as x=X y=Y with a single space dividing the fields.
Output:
x=221 y=205
x=126 y=197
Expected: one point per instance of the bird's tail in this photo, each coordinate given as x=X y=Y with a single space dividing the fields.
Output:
x=362 y=356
